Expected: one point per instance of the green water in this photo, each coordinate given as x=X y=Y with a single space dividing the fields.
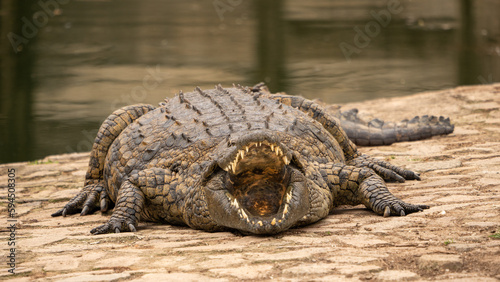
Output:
x=71 y=63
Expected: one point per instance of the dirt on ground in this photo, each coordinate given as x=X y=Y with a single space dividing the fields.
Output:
x=457 y=239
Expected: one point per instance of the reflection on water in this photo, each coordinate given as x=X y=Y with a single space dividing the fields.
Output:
x=88 y=58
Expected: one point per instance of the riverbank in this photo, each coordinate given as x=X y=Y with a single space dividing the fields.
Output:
x=454 y=239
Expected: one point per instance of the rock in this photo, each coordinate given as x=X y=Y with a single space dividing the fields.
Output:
x=94 y=277
x=291 y=255
x=175 y=277
x=439 y=165
x=311 y=268
x=440 y=262
x=396 y=275
x=464 y=247
x=258 y=271
x=60 y=263
x=350 y=270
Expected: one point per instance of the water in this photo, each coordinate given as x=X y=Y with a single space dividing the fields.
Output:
x=89 y=58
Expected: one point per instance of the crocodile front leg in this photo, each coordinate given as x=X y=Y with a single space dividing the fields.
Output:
x=126 y=214
x=94 y=194
x=353 y=186
x=86 y=201
x=151 y=184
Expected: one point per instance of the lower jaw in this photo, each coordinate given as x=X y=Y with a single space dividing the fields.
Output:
x=259 y=225
x=262 y=227
x=272 y=224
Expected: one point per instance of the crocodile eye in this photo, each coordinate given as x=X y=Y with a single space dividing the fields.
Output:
x=230 y=142
x=209 y=171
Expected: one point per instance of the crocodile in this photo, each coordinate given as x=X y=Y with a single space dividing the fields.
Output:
x=238 y=158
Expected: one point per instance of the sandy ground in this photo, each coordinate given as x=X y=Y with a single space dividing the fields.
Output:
x=453 y=240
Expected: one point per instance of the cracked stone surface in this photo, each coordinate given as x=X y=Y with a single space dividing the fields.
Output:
x=450 y=241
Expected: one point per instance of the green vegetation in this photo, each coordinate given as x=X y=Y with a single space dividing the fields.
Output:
x=448 y=241
x=37 y=162
x=496 y=235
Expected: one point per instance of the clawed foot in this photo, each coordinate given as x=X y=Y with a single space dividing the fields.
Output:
x=86 y=201
x=115 y=225
x=377 y=197
x=400 y=208
x=386 y=170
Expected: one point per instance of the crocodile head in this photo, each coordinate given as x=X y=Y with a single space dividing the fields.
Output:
x=256 y=185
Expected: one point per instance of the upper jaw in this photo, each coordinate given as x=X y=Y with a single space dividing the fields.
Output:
x=230 y=163
x=239 y=148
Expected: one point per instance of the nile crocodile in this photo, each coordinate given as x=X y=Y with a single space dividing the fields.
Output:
x=234 y=158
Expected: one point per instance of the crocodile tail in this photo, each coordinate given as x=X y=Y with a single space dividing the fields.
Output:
x=109 y=130
x=377 y=132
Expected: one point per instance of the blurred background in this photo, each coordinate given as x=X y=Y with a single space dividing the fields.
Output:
x=67 y=64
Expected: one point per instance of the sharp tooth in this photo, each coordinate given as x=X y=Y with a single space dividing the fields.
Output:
x=243 y=214
x=235 y=204
x=285 y=159
x=260 y=144
x=285 y=210
x=273 y=222
x=233 y=168
x=276 y=151
x=259 y=223
x=288 y=197
x=280 y=152
x=246 y=148
x=242 y=153
x=272 y=147
x=226 y=168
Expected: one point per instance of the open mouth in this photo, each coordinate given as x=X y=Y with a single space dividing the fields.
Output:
x=258 y=182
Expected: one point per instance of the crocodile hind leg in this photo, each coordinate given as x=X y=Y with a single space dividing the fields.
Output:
x=386 y=170
x=94 y=194
x=352 y=156
x=353 y=186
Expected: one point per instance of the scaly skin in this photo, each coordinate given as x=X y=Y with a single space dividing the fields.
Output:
x=236 y=158
x=377 y=132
